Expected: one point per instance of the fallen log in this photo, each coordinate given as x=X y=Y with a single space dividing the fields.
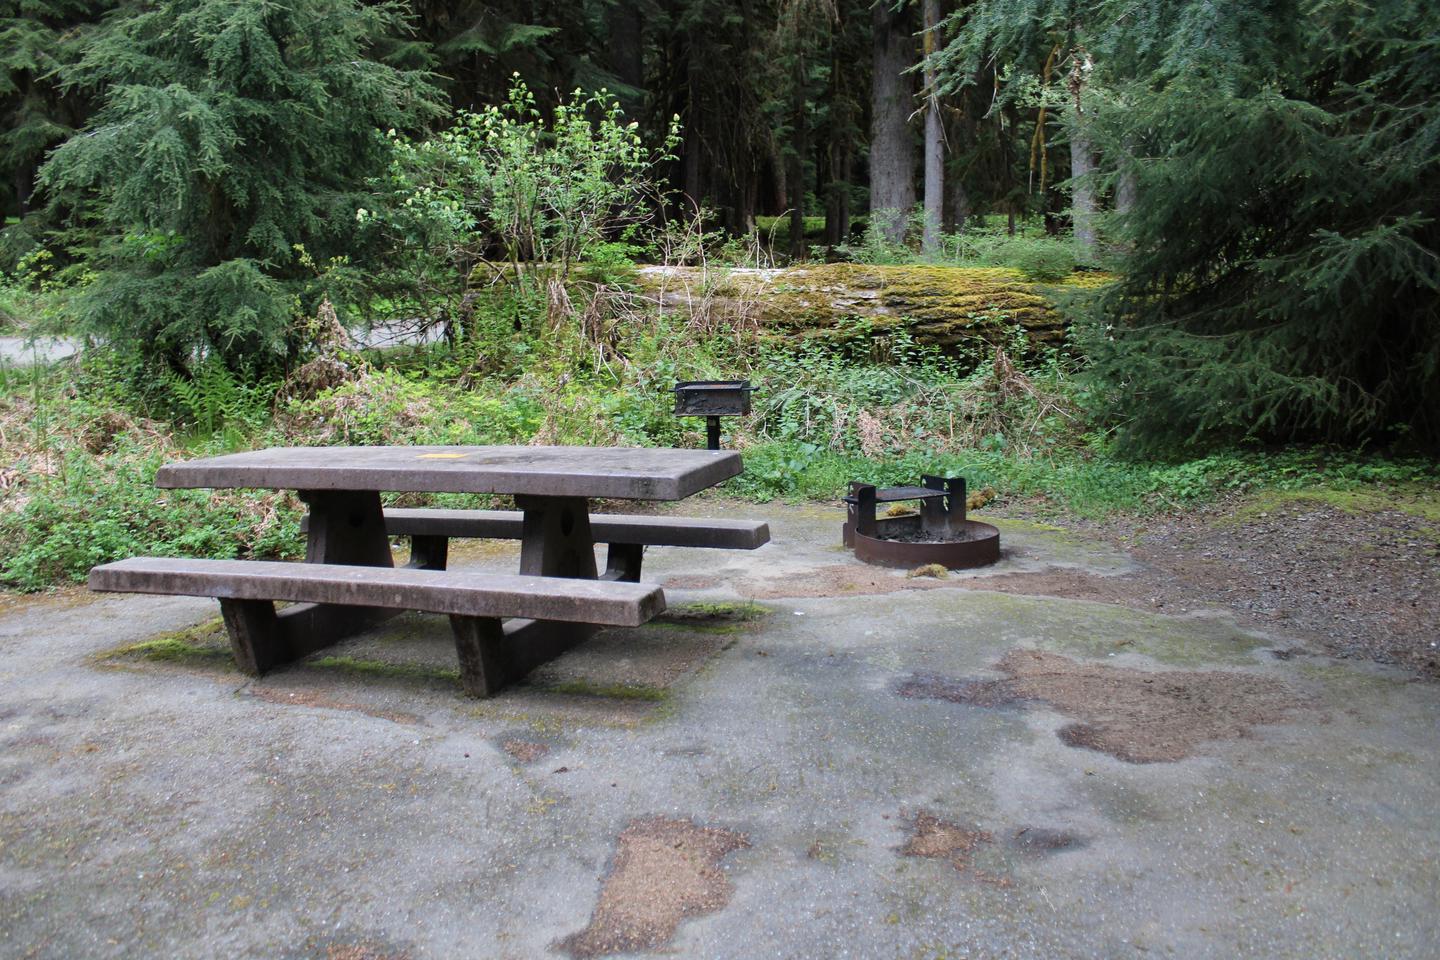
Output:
x=948 y=307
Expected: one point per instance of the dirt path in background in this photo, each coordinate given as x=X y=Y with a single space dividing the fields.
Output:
x=1362 y=585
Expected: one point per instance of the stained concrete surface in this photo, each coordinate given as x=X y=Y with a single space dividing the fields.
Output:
x=357 y=806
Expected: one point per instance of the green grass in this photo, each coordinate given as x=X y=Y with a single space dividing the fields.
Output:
x=82 y=443
x=1086 y=483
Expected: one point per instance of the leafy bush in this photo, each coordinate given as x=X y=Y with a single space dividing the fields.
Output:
x=511 y=185
x=93 y=510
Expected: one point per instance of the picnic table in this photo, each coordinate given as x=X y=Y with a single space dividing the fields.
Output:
x=503 y=625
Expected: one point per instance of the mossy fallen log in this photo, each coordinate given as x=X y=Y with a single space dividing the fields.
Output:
x=949 y=307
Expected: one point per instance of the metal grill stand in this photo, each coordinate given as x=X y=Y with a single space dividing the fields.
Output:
x=712 y=399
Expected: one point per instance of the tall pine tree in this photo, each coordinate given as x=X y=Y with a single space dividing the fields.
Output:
x=229 y=135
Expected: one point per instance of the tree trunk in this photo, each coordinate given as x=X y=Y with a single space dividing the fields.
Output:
x=957 y=206
x=777 y=199
x=627 y=54
x=691 y=145
x=960 y=135
x=799 y=148
x=1082 y=162
x=941 y=306
x=892 y=148
x=1125 y=189
x=747 y=194
x=837 y=197
x=934 y=138
x=839 y=142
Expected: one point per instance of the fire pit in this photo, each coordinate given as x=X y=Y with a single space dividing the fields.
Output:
x=938 y=533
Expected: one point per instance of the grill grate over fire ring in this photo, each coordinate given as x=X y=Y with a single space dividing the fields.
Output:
x=939 y=533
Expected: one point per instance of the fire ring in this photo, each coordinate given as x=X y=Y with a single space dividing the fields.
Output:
x=938 y=533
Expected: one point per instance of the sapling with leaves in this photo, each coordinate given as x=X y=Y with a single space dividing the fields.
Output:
x=507 y=193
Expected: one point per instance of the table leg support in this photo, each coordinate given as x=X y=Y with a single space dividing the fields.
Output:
x=556 y=540
x=429 y=552
x=622 y=562
x=345 y=527
x=479 y=642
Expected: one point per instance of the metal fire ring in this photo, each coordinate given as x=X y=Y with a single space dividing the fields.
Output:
x=939 y=533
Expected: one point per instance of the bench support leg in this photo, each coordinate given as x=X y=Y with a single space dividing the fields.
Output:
x=479 y=642
x=263 y=639
x=346 y=526
x=622 y=562
x=495 y=655
x=255 y=637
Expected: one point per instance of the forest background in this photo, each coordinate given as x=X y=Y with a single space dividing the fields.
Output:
x=1097 y=255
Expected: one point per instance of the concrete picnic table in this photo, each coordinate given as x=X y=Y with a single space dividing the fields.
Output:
x=348 y=528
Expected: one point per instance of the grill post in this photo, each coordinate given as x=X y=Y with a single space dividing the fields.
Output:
x=712 y=399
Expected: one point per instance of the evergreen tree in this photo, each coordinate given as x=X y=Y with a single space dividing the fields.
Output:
x=38 y=39
x=231 y=137
x=1285 y=275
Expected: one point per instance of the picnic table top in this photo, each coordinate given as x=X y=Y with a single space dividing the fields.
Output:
x=622 y=473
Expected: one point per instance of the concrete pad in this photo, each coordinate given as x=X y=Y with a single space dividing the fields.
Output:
x=356 y=805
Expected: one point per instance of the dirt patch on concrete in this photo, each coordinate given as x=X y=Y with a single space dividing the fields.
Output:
x=61 y=597
x=835 y=580
x=980 y=693
x=1354 y=571
x=691 y=581
x=1129 y=591
x=665 y=871
x=526 y=751
x=310 y=697
x=1039 y=841
x=934 y=838
x=362 y=951
x=937 y=839
x=1144 y=717
x=1138 y=716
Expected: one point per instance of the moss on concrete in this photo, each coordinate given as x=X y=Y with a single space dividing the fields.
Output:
x=612 y=691
x=202 y=645
x=732 y=611
x=1098 y=631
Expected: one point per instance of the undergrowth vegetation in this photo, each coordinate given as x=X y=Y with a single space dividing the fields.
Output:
x=505 y=251
x=82 y=442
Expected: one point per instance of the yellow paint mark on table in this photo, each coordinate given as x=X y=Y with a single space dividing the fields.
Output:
x=442 y=456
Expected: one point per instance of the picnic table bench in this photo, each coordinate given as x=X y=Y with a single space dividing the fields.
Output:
x=503 y=625
x=431 y=530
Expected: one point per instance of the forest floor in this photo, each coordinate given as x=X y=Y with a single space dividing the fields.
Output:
x=805 y=757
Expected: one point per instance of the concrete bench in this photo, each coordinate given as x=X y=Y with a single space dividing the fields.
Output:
x=430 y=531
x=491 y=653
